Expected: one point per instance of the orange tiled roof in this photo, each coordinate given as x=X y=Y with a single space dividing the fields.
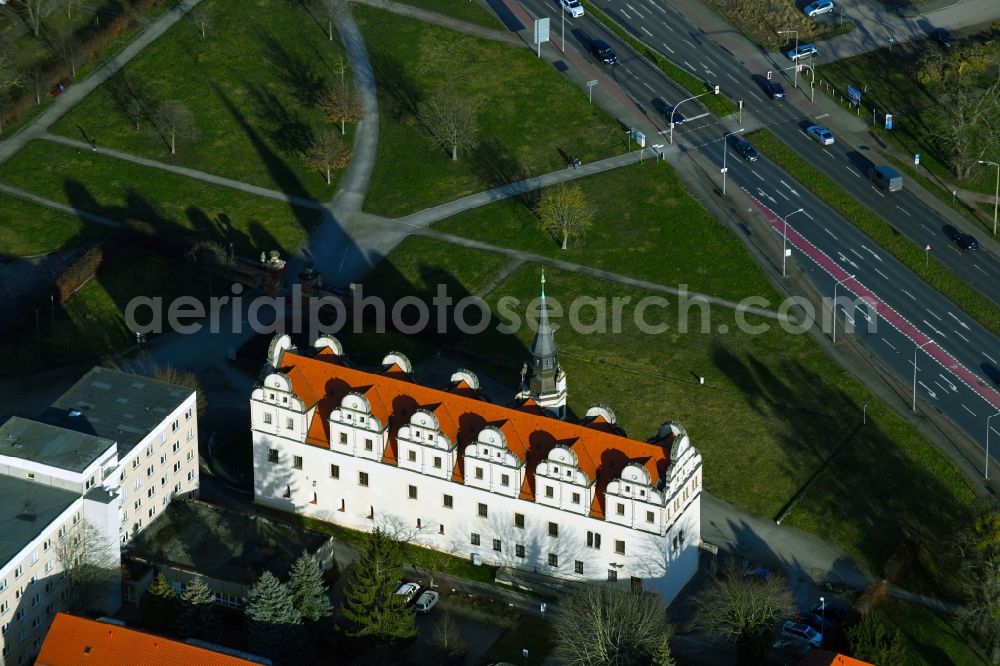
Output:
x=827 y=658
x=72 y=641
x=323 y=381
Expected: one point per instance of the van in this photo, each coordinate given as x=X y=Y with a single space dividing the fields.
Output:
x=887 y=178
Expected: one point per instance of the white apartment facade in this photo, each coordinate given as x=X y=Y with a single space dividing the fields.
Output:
x=507 y=486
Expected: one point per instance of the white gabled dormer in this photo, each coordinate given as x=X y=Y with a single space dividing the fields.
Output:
x=355 y=430
x=490 y=465
x=559 y=482
x=424 y=448
x=276 y=410
x=633 y=500
x=683 y=476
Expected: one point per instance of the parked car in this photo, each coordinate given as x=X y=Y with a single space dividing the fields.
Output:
x=572 y=7
x=966 y=242
x=804 y=51
x=58 y=88
x=822 y=624
x=603 y=52
x=426 y=601
x=818 y=7
x=886 y=178
x=943 y=37
x=801 y=632
x=757 y=573
x=408 y=591
x=822 y=135
x=774 y=90
x=747 y=152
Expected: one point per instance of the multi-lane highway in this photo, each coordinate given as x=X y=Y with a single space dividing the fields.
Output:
x=956 y=358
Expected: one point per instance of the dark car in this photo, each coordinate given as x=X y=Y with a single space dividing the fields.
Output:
x=820 y=623
x=665 y=110
x=966 y=242
x=58 y=88
x=746 y=151
x=603 y=52
x=943 y=37
x=774 y=90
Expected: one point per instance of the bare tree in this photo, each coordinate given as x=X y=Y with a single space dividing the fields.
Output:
x=131 y=97
x=201 y=18
x=11 y=73
x=968 y=121
x=447 y=638
x=978 y=552
x=564 y=213
x=603 y=624
x=89 y=563
x=67 y=47
x=31 y=12
x=185 y=378
x=451 y=122
x=333 y=9
x=174 y=121
x=735 y=608
x=326 y=154
x=436 y=562
x=340 y=105
x=69 y=4
x=340 y=67
x=35 y=76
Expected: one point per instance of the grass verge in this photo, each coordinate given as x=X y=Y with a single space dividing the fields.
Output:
x=717 y=104
x=530 y=119
x=121 y=190
x=29 y=229
x=463 y=10
x=931 y=637
x=251 y=85
x=933 y=272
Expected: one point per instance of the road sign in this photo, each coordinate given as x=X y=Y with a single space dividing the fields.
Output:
x=541 y=30
x=854 y=95
x=639 y=137
x=916 y=158
x=724 y=170
x=769 y=73
x=888 y=121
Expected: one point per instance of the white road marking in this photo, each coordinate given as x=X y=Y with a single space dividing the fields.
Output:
x=757 y=174
x=871 y=253
x=888 y=343
x=690 y=65
x=831 y=233
x=960 y=322
x=667 y=47
x=912 y=297
x=658 y=7
x=635 y=10
x=856 y=253
x=757 y=97
x=651 y=88
x=933 y=329
x=732 y=77
x=805 y=213
x=847 y=316
x=782 y=195
x=948 y=382
x=860 y=312
x=989 y=357
x=968 y=410
x=714 y=64
x=822 y=116
x=698 y=117
x=930 y=392
x=854 y=172
x=667 y=26
x=976 y=266
x=624 y=14
x=643 y=28
x=690 y=43
x=880 y=273
x=876 y=190
x=961 y=336
x=926 y=227
x=827 y=152
x=933 y=315
x=904 y=210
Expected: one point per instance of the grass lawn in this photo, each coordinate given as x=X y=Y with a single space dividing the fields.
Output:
x=936 y=274
x=122 y=190
x=251 y=86
x=932 y=639
x=528 y=632
x=29 y=229
x=463 y=10
x=530 y=119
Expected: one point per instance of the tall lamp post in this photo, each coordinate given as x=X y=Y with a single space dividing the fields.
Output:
x=915 y=350
x=822 y=611
x=833 y=307
x=725 y=151
x=785 y=32
x=996 y=195
x=688 y=99
x=784 y=239
x=986 y=468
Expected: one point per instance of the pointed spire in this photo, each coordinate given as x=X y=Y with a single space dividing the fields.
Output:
x=543 y=347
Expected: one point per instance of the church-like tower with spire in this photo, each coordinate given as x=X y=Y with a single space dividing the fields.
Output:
x=542 y=378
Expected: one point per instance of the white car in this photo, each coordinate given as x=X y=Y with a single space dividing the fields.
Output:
x=426 y=601
x=818 y=7
x=822 y=135
x=804 y=51
x=572 y=7
x=408 y=591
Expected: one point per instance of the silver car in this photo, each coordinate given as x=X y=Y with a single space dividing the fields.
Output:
x=818 y=7
x=822 y=135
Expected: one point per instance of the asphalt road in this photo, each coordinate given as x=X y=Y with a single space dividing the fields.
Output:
x=957 y=362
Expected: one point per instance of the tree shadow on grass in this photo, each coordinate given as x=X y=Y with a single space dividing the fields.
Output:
x=301 y=76
x=496 y=165
x=284 y=126
x=399 y=90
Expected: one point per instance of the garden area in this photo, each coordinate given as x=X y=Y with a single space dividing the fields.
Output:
x=30 y=229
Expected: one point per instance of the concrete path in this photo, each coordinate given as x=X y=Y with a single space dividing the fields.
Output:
x=443 y=21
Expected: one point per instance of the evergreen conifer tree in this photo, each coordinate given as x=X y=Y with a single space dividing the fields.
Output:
x=306 y=587
x=196 y=614
x=158 y=606
x=272 y=619
x=371 y=607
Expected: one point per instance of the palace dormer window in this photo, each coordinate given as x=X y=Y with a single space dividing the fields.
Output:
x=620 y=509
x=549 y=491
x=479 y=473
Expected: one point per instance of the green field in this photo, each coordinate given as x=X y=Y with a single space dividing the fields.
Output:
x=120 y=190
x=28 y=229
x=463 y=10
x=932 y=639
x=531 y=120
x=251 y=86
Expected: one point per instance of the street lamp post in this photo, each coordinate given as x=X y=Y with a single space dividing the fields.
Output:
x=563 y=15
x=784 y=239
x=986 y=468
x=688 y=99
x=725 y=151
x=783 y=32
x=915 y=350
x=996 y=195
x=822 y=610
x=833 y=306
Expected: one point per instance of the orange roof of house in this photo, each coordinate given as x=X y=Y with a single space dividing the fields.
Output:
x=73 y=641
x=323 y=381
x=827 y=658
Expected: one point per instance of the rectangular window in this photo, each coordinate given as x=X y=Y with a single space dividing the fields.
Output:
x=483 y=511
x=620 y=509
x=334 y=471
x=553 y=529
x=576 y=498
x=447 y=502
x=363 y=478
x=411 y=456
x=650 y=517
x=343 y=438
x=413 y=492
x=297 y=462
x=619 y=547
x=176 y=447
x=519 y=550
x=578 y=567
x=267 y=418
x=479 y=473
x=553 y=560
x=369 y=445
x=272 y=455
x=496 y=545
x=437 y=462
x=549 y=491
x=18 y=572
x=593 y=540
x=289 y=424
x=475 y=539
x=177 y=466
x=504 y=479
x=612 y=575
x=519 y=520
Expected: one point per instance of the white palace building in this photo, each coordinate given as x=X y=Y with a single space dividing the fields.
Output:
x=512 y=486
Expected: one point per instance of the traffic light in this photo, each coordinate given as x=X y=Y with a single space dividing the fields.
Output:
x=769 y=75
